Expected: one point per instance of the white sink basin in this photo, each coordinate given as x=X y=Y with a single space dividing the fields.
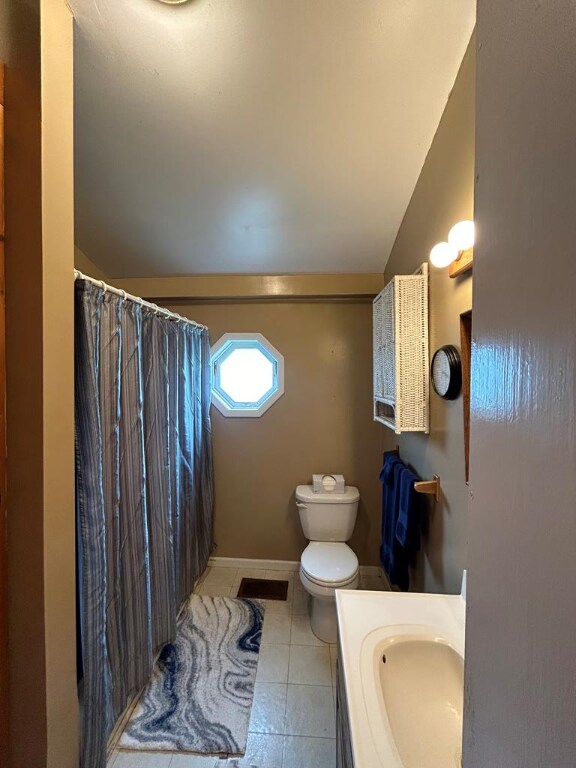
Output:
x=413 y=682
x=406 y=711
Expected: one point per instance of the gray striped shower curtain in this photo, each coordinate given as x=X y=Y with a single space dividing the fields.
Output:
x=144 y=494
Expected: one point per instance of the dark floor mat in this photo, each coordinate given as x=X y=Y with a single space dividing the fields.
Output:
x=265 y=589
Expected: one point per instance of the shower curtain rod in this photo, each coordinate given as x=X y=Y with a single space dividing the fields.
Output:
x=157 y=310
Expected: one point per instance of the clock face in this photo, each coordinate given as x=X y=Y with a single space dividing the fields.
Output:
x=447 y=372
x=441 y=372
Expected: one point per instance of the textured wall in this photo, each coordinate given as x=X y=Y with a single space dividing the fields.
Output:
x=443 y=195
x=521 y=623
x=323 y=423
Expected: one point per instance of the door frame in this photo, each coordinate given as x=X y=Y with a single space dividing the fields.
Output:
x=3 y=533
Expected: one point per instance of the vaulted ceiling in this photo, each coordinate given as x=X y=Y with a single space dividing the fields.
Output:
x=255 y=136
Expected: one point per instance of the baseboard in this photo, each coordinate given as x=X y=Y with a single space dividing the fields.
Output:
x=247 y=562
x=386 y=580
x=371 y=570
x=281 y=565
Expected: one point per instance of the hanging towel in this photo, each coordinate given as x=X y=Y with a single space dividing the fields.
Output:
x=409 y=513
x=390 y=502
x=407 y=529
x=398 y=567
x=401 y=519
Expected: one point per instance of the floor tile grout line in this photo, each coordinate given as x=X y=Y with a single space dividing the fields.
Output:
x=309 y=645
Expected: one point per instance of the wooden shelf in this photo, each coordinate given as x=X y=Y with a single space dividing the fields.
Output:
x=462 y=264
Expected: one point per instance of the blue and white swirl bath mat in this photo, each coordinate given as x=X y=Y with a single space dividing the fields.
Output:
x=200 y=695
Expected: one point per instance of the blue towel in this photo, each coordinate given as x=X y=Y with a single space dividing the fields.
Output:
x=409 y=513
x=389 y=506
x=400 y=520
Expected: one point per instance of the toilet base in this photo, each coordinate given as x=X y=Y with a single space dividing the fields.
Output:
x=323 y=619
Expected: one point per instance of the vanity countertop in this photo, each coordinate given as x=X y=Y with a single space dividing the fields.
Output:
x=362 y=612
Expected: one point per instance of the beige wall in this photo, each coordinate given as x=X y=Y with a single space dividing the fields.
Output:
x=521 y=618
x=85 y=265
x=443 y=195
x=39 y=326
x=323 y=423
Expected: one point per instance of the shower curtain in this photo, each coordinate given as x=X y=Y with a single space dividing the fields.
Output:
x=144 y=494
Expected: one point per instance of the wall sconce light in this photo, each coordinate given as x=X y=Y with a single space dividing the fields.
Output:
x=461 y=236
x=443 y=254
x=456 y=253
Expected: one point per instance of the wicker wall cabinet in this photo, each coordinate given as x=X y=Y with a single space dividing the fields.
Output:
x=401 y=358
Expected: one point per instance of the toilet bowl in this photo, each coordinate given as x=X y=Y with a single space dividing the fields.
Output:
x=324 y=568
x=327 y=563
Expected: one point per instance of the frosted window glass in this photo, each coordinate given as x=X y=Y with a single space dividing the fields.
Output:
x=246 y=375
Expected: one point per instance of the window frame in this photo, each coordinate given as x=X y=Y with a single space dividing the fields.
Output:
x=229 y=342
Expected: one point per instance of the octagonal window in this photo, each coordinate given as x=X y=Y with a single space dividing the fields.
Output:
x=247 y=374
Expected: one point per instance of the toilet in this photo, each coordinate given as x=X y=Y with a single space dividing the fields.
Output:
x=327 y=563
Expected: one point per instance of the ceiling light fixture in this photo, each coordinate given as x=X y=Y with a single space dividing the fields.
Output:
x=460 y=238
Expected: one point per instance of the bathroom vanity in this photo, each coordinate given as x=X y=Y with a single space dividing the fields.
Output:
x=400 y=680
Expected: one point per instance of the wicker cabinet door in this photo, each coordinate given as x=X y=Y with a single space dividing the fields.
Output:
x=400 y=342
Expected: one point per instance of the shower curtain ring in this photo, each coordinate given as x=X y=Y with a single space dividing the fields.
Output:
x=103 y=286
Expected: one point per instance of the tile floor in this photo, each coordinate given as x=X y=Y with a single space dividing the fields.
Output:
x=293 y=714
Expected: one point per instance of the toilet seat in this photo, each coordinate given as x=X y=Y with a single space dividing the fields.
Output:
x=324 y=587
x=329 y=564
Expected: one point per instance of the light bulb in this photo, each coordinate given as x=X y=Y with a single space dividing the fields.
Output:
x=443 y=254
x=461 y=236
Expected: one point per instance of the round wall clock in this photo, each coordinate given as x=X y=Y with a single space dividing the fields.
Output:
x=446 y=372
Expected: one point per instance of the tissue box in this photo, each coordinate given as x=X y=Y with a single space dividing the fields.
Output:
x=328 y=484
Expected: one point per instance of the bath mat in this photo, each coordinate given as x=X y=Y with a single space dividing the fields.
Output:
x=200 y=694
x=264 y=589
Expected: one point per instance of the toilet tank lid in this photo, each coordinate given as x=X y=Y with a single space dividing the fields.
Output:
x=306 y=494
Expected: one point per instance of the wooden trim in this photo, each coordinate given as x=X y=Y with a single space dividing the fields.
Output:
x=2 y=153
x=259 y=287
x=3 y=532
x=462 y=264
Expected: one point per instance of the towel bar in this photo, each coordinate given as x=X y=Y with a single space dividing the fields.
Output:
x=429 y=486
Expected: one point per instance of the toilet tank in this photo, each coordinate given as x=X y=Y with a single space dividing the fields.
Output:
x=327 y=516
